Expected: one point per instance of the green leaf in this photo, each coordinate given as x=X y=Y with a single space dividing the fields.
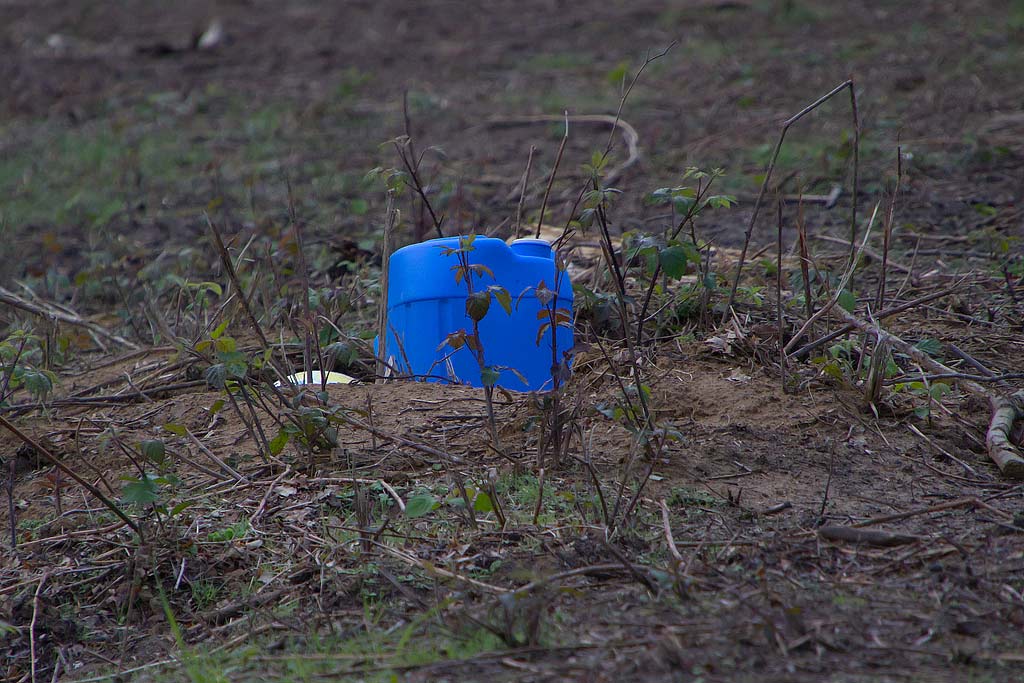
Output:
x=673 y=261
x=39 y=383
x=176 y=429
x=503 y=297
x=617 y=76
x=153 y=450
x=181 y=506
x=226 y=345
x=219 y=331
x=216 y=376
x=342 y=352
x=235 y=363
x=140 y=491
x=833 y=369
x=202 y=287
x=930 y=346
x=489 y=376
x=483 y=502
x=420 y=505
x=481 y=270
x=847 y=300
x=359 y=207
x=477 y=305
x=278 y=443
x=237 y=530
x=720 y=201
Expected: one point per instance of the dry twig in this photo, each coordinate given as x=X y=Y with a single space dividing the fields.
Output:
x=53 y=313
x=1005 y=410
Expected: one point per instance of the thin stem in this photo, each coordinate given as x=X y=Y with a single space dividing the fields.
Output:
x=767 y=179
x=554 y=172
x=522 y=192
x=688 y=218
x=887 y=236
x=778 y=300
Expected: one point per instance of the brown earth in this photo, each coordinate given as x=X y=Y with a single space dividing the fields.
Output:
x=308 y=91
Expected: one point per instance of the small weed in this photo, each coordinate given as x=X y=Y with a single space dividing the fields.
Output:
x=231 y=533
x=558 y=61
x=686 y=497
x=929 y=395
x=350 y=82
x=849 y=601
x=21 y=354
x=204 y=594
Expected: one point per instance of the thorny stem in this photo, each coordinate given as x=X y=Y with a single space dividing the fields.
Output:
x=778 y=299
x=688 y=218
x=620 y=298
x=477 y=348
x=11 y=510
x=243 y=389
x=9 y=371
x=233 y=277
x=611 y=136
x=856 y=168
x=412 y=165
x=609 y=250
x=805 y=259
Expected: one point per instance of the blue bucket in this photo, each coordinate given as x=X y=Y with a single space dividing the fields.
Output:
x=426 y=305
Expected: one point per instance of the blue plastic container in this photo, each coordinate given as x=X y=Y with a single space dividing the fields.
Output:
x=426 y=305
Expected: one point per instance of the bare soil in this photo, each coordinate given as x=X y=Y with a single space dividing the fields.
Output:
x=119 y=133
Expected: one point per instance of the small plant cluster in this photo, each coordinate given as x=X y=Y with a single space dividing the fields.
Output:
x=21 y=355
x=659 y=261
x=651 y=284
x=478 y=303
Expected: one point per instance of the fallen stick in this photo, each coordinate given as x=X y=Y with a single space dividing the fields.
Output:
x=838 y=290
x=828 y=200
x=881 y=315
x=1005 y=410
x=940 y=507
x=13 y=300
x=874 y=255
x=873 y=537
